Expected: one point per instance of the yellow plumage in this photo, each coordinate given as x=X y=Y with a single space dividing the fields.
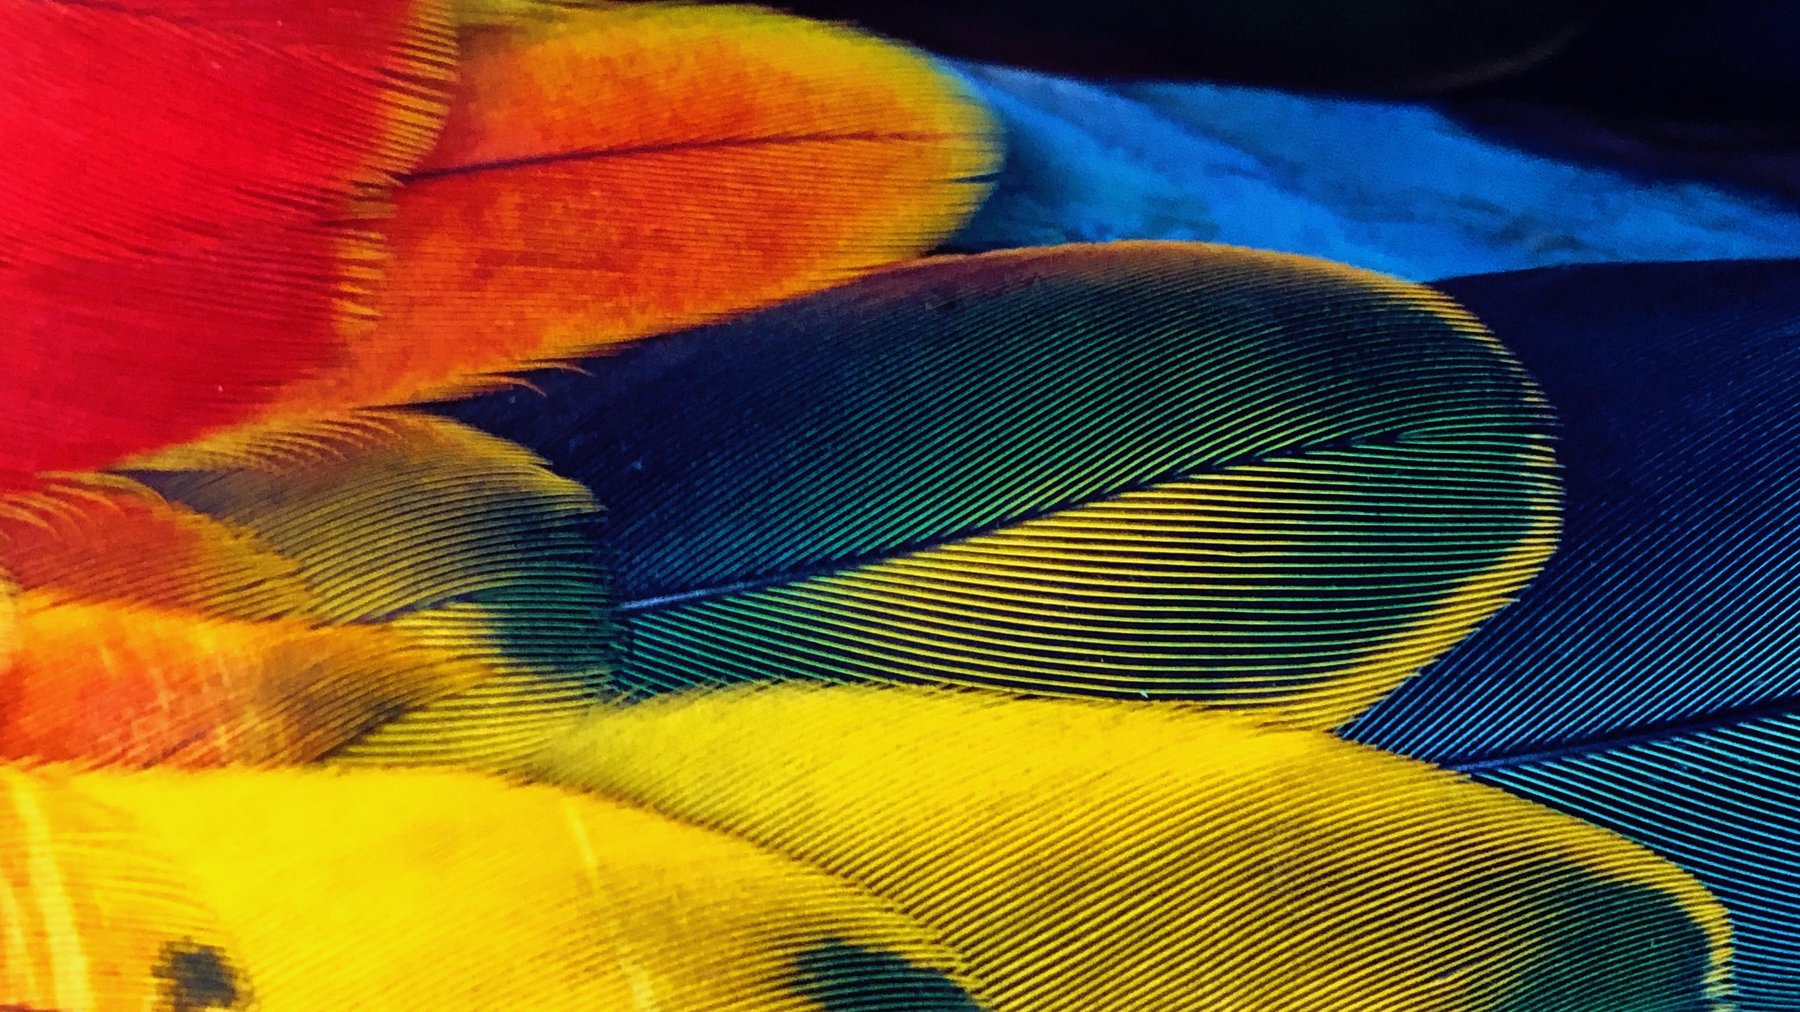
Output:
x=1117 y=856
x=312 y=890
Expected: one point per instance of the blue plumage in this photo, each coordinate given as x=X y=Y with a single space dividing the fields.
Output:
x=1649 y=679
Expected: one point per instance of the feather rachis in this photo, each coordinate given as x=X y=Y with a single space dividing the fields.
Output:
x=1168 y=469
x=1647 y=681
x=603 y=174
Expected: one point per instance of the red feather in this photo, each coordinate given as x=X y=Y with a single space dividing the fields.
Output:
x=179 y=199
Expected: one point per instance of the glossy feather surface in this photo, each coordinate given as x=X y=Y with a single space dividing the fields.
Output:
x=1649 y=680
x=274 y=597
x=540 y=386
x=230 y=242
x=1118 y=856
x=430 y=891
x=1160 y=470
x=186 y=200
x=613 y=173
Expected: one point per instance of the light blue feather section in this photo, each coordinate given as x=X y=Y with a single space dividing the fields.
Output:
x=1396 y=187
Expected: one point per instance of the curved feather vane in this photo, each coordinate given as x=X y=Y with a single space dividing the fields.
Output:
x=144 y=633
x=1158 y=469
x=1650 y=679
x=429 y=892
x=626 y=170
x=296 y=589
x=184 y=204
x=1388 y=45
x=602 y=176
x=450 y=537
x=1116 y=855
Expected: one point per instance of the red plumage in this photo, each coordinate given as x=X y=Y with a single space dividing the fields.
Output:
x=179 y=193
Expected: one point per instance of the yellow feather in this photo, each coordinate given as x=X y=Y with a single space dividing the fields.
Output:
x=1123 y=856
x=407 y=890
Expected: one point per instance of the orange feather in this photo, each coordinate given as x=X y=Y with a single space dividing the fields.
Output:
x=624 y=171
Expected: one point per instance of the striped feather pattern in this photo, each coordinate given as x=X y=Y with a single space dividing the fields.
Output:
x=1649 y=680
x=1718 y=801
x=274 y=596
x=112 y=682
x=451 y=538
x=144 y=633
x=430 y=891
x=266 y=217
x=1145 y=469
x=617 y=172
x=185 y=203
x=1108 y=855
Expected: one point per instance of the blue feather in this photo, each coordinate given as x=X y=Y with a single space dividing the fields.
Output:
x=1396 y=187
x=1649 y=680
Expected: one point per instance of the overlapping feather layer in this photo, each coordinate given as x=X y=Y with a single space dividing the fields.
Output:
x=335 y=433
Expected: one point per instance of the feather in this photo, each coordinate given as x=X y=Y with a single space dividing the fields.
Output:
x=144 y=633
x=447 y=536
x=1650 y=679
x=430 y=891
x=275 y=596
x=1407 y=189
x=184 y=202
x=627 y=170
x=170 y=139
x=1117 y=855
x=1382 y=45
x=602 y=176
x=1157 y=469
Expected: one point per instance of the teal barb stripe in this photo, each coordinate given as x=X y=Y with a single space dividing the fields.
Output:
x=1720 y=803
x=954 y=535
x=1658 y=956
x=844 y=977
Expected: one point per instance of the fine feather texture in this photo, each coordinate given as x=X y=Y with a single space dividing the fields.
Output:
x=1110 y=855
x=272 y=597
x=430 y=892
x=626 y=170
x=110 y=682
x=183 y=206
x=172 y=141
x=1649 y=680
x=1384 y=45
x=1145 y=469
x=604 y=174
x=144 y=633
x=1398 y=187
x=445 y=535
x=109 y=539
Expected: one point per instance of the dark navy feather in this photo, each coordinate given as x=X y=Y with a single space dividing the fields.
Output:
x=1150 y=469
x=1649 y=680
